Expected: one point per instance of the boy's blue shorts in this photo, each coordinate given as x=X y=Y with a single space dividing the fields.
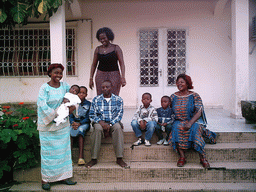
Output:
x=82 y=130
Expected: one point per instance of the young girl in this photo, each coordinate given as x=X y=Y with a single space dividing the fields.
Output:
x=80 y=125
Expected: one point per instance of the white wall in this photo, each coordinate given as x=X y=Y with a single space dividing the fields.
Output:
x=252 y=57
x=209 y=47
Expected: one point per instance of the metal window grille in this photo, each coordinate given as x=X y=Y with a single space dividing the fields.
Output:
x=26 y=52
x=148 y=58
x=176 y=54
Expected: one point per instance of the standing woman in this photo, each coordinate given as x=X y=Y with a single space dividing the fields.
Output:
x=56 y=163
x=187 y=131
x=106 y=59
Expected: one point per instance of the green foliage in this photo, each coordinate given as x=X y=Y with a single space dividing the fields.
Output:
x=18 y=11
x=19 y=139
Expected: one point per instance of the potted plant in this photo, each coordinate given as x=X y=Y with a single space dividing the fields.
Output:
x=19 y=141
x=249 y=111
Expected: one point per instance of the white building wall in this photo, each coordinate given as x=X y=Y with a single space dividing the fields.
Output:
x=209 y=47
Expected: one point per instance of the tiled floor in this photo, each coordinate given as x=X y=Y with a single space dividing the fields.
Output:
x=219 y=120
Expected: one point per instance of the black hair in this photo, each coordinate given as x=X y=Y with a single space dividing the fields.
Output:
x=109 y=33
x=107 y=81
x=147 y=94
x=84 y=88
x=75 y=86
x=165 y=96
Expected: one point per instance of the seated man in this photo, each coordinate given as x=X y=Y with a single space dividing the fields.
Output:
x=105 y=114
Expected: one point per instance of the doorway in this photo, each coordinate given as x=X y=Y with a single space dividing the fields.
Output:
x=162 y=57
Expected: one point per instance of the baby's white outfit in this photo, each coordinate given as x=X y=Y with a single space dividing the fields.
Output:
x=63 y=110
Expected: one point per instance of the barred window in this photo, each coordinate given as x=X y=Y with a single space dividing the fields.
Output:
x=148 y=57
x=26 y=52
x=172 y=53
x=176 y=54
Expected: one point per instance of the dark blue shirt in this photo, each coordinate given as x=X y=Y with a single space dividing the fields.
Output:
x=83 y=113
x=165 y=115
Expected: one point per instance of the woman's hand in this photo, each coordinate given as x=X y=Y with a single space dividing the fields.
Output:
x=187 y=126
x=91 y=84
x=123 y=81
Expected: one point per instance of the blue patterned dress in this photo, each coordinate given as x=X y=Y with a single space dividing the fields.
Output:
x=56 y=163
x=184 y=108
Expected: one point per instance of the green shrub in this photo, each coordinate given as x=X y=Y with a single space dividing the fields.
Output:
x=19 y=139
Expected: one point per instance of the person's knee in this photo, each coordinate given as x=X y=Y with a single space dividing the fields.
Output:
x=117 y=127
x=158 y=127
x=97 y=128
x=134 y=123
x=151 y=125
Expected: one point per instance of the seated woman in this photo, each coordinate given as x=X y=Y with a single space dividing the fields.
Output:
x=188 y=131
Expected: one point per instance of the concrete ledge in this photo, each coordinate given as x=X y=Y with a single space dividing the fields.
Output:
x=140 y=187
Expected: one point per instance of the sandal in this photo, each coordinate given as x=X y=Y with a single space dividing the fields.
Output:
x=81 y=161
x=181 y=162
x=205 y=163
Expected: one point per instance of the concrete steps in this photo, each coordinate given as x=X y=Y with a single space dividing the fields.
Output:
x=141 y=187
x=165 y=171
x=222 y=152
x=232 y=159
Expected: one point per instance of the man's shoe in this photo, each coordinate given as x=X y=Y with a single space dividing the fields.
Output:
x=147 y=143
x=166 y=142
x=160 y=142
x=139 y=142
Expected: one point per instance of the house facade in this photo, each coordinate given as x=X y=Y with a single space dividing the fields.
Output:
x=210 y=40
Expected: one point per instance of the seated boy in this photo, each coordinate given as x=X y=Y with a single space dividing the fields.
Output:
x=80 y=125
x=69 y=99
x=165 y=120
x=144 y=119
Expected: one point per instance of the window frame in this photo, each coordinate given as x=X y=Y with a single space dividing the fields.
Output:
x=39 y=69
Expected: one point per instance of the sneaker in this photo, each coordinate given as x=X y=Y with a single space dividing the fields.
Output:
x=147 y=143
x=139 y=142
x=160 y=142
x=166 y=142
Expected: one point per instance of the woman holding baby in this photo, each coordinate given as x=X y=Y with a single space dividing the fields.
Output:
x=56 y=163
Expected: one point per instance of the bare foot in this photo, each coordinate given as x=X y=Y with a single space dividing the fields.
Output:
x=120 y=162
x=91 y=163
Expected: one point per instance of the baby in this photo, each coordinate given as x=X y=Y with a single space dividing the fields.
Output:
x=70 y=98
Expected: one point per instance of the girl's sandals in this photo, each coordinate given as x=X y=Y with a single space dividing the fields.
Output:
x=205 y=163
x=81 y=162
x=181 y=162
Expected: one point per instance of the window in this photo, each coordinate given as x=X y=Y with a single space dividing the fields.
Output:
x=167 y=44
x=148 y=57
x=26 y=52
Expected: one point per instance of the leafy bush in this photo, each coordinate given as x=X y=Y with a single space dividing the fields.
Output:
x=19 y=139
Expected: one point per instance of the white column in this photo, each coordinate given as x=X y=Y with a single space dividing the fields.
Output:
x=58 y=37
x=240 y=53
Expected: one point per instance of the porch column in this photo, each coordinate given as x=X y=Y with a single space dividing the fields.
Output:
x=58 y=37
x=240 y=54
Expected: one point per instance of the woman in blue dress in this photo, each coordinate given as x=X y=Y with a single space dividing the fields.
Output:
x=189 y=127
x=56 y=163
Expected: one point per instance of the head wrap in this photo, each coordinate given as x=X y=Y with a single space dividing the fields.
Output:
x=53 y=66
